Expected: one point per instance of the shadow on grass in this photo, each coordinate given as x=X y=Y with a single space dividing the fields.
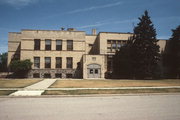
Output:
x=6 y=92
x=119 y=91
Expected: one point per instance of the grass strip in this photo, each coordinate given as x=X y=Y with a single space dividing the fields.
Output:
x=118 y=91
x=6 y=92
x=17 y=83
x=113 y=83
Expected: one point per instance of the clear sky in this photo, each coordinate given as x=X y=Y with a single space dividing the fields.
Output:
x=104 y=15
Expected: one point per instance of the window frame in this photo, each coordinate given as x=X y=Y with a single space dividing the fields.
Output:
x=59 y=47
x=60 y=62
x=69 y=45
x=37 y=44
x=48 y=46
x=36 y=64
x=47 y=64
x=69 y=62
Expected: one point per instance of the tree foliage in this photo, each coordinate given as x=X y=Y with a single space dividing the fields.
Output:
x=145 y=51
x=140 y=57
x=3 y=62
x=20 y=67
x=122 y=61
x=171 y=57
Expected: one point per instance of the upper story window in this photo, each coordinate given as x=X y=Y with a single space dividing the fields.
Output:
x=47 y=44
x=70 y=45
x=58 y=45
x=37 y=44
x=113 y=45
x=58 y=62
x=47 y=62
x=36 y=62
x=69 y=63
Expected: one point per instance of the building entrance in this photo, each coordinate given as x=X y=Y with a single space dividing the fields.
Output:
x=94 y=71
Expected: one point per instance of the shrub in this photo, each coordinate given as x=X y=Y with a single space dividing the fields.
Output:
x=20 y=67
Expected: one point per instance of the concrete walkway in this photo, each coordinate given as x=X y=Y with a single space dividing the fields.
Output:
x=34 y=90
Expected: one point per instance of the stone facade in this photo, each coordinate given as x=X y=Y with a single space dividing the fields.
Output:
x=89 y=56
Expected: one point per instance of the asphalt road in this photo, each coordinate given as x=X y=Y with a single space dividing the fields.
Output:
x=119 y=107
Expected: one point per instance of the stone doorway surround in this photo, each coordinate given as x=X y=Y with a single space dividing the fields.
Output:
x=94 y=66
x=94 y=71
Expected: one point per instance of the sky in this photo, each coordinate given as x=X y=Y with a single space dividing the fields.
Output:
x=85 y=15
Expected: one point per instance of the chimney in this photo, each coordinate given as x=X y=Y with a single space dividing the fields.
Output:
x=62 y=28
x=71 y=29
x=93 y=31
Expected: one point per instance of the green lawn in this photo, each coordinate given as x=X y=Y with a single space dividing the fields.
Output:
x=17 y=83
x=113 y=83
x=119 y=91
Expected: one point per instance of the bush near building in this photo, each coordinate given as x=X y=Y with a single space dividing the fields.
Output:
x=20 y=67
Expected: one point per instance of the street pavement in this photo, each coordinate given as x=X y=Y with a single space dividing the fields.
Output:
x=97 y=107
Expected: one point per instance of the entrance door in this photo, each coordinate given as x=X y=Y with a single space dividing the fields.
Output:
x=94 y=71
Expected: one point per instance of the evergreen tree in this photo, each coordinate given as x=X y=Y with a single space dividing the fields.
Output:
x=145 y=51
x=3 y=62
x=172 y=55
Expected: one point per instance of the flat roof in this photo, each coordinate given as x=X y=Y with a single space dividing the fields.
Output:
x=50 y=30
x=117 y=32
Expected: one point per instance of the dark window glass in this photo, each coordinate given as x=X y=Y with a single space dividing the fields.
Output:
x=47 y=62
x=69 y=45
x=36 y=75
x=58 y=62
x=109 y=41
x=59 y=45
x=47 y=75
x=91 y=71
x=68 y=75
x=96 y=71
x=58 y=75
x=47 y=44
x=37 y=44
x=109 y=63
x=69 y=62
x=36 y=62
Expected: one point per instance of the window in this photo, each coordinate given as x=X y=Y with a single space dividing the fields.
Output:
x=114 y=45
x=47 y=75
x=47 y=62
x=47 y=44
x=36 y=75
x=91 y=71
x=69 y=63
x=58 y=45
x=109 y=63
x=36 y=62
x=68 y=75
x=69 y=45
x=58 y=62
x=109 y=41
x=90 y=45
x=96 y=71
x=118 y=45
x=37 y=44
x=58 y=75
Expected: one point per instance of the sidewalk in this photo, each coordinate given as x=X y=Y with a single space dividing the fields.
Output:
x=35 y=89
